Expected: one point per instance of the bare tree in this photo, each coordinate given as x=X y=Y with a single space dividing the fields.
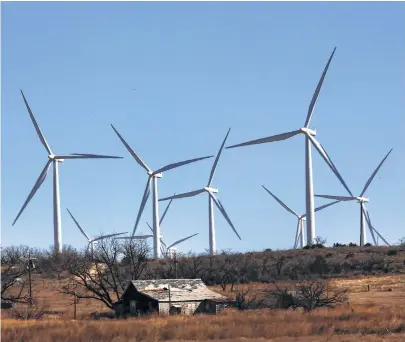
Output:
x=192 y=266
x=320 y=240
x=54 y=264
x=104 y=274
x=401 y=241
x=227 y=272
x=13 y=283
x=308 y=295
x=246 y=299
x=280 y=262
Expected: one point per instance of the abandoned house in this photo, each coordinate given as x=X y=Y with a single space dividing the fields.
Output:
x=169 y=297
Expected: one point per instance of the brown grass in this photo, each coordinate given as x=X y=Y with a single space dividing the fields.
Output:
x=231 y=324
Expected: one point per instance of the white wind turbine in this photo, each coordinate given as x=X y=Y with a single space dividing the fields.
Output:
x=92 y=241
x=364 y=216
x=52 y=159
x=211 y=199
x=164 y=248
x=299 y=236
x=153 y=175
x=309 y=138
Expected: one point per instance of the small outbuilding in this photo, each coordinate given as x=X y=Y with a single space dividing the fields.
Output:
x=169 y=297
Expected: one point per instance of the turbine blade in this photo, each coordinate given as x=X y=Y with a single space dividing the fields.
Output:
x=142 y=205
x=338 y=198
x=39 y=132
x=37 y=184
x=328 y=162
x=78 y=225
x=335 y=168
x=132 y=152
x=85 y=156
x=369 y=225
x=325 y=205
x=281 y=202
x=372 y=227
x=381 y=237
x=102 y=237
x=317 y=90
x=272 y=138
x=297 y=233
x=327 y=155
x=183 y=195
x=214 y=166
x=178 y=164
x=135 y=237
x=224 y=214
x=374 y=173
x=150 y=227
x=161 y=240
x=165 y=212
x=181 y=240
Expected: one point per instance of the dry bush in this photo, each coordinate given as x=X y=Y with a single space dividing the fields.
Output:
x=27 y=312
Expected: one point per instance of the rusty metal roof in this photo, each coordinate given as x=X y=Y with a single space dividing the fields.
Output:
x=181 y=290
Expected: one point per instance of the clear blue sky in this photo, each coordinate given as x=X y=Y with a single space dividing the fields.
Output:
x=198 y=69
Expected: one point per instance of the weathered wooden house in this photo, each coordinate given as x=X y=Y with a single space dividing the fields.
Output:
x=169 y=297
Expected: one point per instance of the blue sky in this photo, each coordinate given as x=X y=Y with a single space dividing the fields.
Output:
x=198 y=69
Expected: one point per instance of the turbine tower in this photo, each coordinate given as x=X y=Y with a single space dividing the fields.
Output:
x=91 y=241
x=153 y=175
x=54 y=160
x=364 y=216
x=299 y=236
x=211 y=199
x=309 y=139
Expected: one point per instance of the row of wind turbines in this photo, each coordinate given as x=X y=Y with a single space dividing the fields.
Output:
x=162 y=249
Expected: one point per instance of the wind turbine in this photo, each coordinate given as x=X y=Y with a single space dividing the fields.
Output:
x=211 y=199
x=54 y=160
x=153 y=175
x=299 y=236
x=164 y=248
x=91 y=241
x=363 y=212
x=309 y=138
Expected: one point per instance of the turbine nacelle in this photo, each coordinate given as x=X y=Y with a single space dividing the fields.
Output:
x=53 y=158
x=311 y=132
x=362 y=199
x=212 y=190
x=157 y=175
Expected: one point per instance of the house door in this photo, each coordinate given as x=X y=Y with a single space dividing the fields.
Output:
x=175 y=310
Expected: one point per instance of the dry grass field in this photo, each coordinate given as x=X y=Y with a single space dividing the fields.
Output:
x=376 y=312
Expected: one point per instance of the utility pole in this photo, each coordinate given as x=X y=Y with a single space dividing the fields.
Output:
x=175 y=264
x=74 y=306
x=30 y=266
x=170 y=301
